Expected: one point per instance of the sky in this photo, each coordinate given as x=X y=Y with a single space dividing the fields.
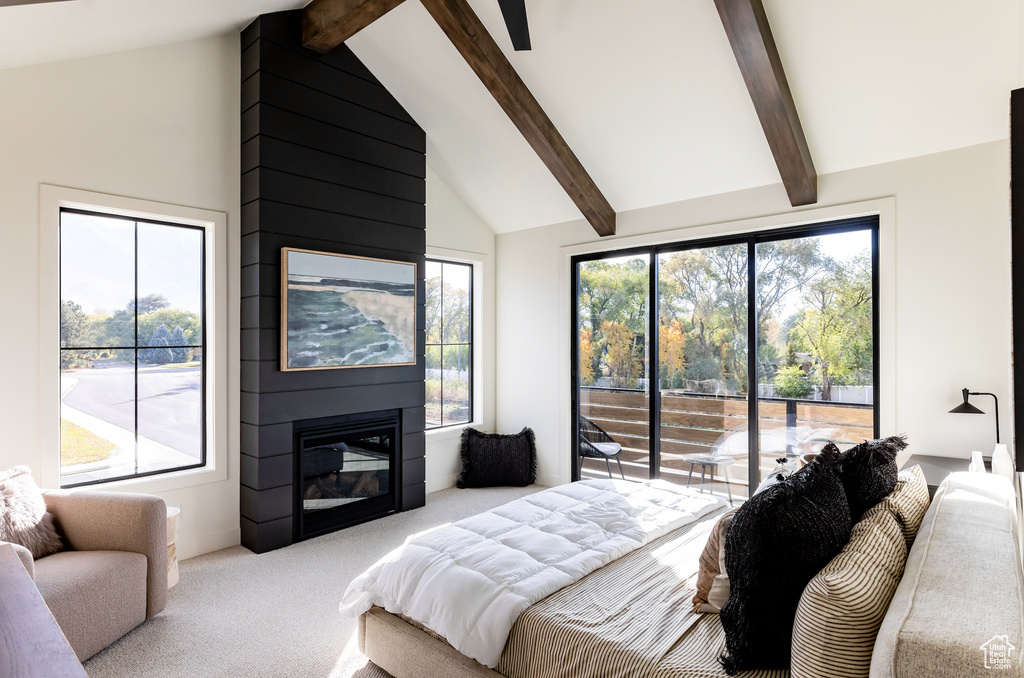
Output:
x=455 y=275
x=97 y=262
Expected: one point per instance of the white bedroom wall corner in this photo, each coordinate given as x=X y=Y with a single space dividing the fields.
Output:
x=177 y=142
x=948 y=295
x=456 y=233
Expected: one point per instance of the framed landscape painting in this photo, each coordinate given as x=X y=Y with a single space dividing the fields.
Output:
x=341 y=311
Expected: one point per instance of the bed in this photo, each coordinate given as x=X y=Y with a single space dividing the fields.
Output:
x=632 y=616
x=960 y=594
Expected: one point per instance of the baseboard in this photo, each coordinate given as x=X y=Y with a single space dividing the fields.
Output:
x=548 y=480
x=441 y=483
x=191 y=548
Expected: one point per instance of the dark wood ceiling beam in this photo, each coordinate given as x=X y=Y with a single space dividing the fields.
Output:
x=464 y=28
x=751 y=37
x=328 y=23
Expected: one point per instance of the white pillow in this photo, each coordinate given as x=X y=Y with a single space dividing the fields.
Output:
x=1002 y=463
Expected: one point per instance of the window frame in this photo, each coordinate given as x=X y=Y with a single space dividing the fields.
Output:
x=868 y=223
x=136 y=348
x=54 y=199
x=472 y=343
x=886 y=346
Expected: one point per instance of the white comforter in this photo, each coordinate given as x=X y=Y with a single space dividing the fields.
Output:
x=470 y=581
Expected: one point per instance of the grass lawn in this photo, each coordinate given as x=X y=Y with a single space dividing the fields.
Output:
x=181 y=366
x=79 y=446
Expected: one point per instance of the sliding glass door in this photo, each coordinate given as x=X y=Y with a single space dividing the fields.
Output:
x=662 y=339
x=703 y=362
x=815 y=299
x=613 y=409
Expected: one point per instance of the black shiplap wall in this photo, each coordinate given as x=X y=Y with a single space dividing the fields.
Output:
x=331 y=162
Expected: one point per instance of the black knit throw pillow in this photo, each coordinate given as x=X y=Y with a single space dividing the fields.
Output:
x=869 y=472
x=495 y=459
x=779 y=539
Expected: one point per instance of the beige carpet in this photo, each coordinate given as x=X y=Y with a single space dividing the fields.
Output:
x=238 y=614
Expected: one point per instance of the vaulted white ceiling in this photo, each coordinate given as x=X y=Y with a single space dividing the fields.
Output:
x=649 y=96
x=646 y=92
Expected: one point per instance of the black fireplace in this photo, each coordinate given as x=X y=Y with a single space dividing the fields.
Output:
x=293 y=99
x=348 y=471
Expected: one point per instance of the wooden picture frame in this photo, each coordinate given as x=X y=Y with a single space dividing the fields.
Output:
x=341 y=311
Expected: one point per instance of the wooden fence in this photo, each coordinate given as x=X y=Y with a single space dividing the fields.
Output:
x=695 y=425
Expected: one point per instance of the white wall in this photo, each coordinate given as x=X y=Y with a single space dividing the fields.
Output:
x=454 y=229
x=159 y=124
x=952 y=296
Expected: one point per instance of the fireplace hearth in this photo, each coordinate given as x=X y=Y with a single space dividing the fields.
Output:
x=348 y=471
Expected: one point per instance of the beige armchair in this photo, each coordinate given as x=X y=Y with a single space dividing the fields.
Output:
x=112 y=574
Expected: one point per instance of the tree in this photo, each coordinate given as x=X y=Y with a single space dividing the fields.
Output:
x=785 y=266
x=73 y=321
x=671 y=352
x=791 y=360
x=192 y=328
x=455 y=303
x=158 y=353
x=179 y=353
x=614 y=292
x=706 y=291
x=433 y=311
x=792 y=382
x=836 y=323
x=624 y=368
x=586 y=357
x=448 y=313
x=149 y=303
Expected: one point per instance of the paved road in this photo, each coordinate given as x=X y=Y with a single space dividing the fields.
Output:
x=170 y=402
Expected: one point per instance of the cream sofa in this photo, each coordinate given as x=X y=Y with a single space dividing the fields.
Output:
x=960 y=603
x=112 y=574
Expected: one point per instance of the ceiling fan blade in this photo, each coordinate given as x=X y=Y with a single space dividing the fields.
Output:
x=514 y=12
x=12 y=3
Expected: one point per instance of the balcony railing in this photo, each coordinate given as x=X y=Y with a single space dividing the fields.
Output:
x=695 y=425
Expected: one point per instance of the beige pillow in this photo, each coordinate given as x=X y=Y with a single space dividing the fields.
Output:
x=23 y=516
x=712 y=580
x=907 y=503
x=842 y=607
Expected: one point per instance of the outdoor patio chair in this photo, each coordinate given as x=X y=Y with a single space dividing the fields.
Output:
x=596 y=444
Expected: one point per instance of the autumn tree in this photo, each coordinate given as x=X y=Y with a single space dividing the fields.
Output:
x=614 y=293
x=624 y=365
x=671 y=352
x=586 y=358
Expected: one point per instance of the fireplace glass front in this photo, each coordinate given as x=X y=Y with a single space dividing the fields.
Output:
x=347 y=475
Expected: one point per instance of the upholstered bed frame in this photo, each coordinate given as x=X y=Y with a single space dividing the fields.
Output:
x=401 y=649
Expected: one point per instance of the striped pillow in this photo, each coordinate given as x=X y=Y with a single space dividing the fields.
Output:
x=908 y=502
x=842 y=607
